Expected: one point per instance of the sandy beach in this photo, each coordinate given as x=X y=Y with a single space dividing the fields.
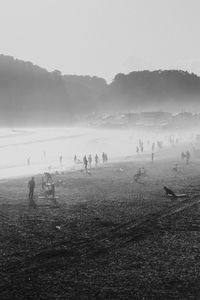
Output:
x=108 y=237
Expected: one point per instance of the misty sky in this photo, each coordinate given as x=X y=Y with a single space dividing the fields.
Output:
x=102 y=37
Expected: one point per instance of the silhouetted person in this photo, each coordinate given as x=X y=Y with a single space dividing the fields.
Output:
x=85 y=162
x=187 y=157
x=106 y=158
x=75 y=158
x=28 y=161
x=61 y=159
x=137 y=150
x=31 y=187
x=183 y=155
x=90 y=160
x=141 y=144
x=96 y=160
x=103 y=157
x=169 y=192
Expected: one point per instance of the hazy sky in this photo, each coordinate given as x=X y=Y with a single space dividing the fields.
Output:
x=102 y=37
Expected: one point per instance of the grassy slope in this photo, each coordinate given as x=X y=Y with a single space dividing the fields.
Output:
x=115 y=240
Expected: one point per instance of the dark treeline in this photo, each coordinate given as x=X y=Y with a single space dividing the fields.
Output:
x=32 y=95
x=170 y=90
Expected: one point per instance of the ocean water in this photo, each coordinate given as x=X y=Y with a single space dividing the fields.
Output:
x=44 y=146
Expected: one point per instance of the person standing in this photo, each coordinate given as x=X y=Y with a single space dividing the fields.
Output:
x=31 y=187
x=182 y=155
x=90 y=160
x=28 y=161
x=153 y=146
x=152 y=157
x=96 y=160
x=106 y=157
x=187 y=157
x=103 y=157
x=85 y=162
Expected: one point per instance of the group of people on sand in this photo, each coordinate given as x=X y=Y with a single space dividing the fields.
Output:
x=140 y=146
x=87 y=160
x=186 y=156
x=48 y=187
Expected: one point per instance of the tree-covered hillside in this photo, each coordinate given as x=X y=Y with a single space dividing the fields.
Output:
x=31 y=95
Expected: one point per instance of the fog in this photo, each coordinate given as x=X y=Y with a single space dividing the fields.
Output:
x=44 y=146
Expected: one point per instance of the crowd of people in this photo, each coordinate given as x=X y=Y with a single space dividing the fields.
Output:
x=88 y=160
x=48 y=185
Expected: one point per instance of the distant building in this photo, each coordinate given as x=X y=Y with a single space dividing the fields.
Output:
x=131 y=118
x=154 y=118
x=183 y=119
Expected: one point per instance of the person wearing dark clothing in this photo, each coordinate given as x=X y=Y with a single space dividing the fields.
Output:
x=85 y=162
x=106 y=158
x=169 y=192
x=187 y=157
x=183 y=155
x=31 y=187
x=90 y=160
x=96 y=160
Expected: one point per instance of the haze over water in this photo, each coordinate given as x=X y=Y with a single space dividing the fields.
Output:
x=44 y=146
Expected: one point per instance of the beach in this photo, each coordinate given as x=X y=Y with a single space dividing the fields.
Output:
x=108 y=237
